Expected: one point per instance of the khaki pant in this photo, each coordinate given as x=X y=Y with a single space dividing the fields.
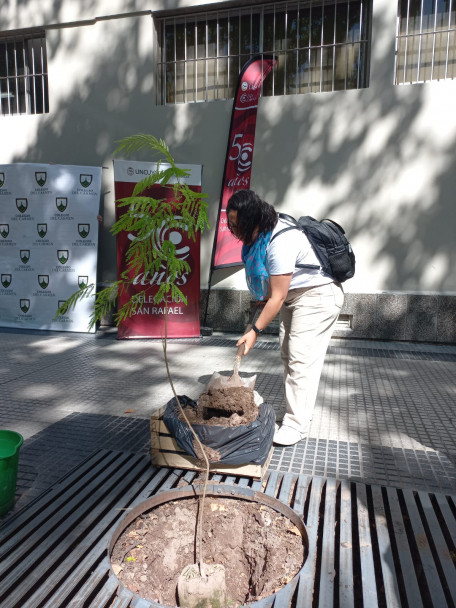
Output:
x=306 y=319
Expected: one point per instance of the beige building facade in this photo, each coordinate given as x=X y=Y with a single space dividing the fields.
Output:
x=366 y=137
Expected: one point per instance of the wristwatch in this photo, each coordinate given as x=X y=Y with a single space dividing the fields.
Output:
x=256 y=330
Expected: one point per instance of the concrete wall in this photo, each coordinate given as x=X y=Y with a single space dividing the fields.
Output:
x=381 y=161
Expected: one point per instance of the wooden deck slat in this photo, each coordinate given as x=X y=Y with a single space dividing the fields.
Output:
x=95 y=579
x=28 y=517
x=140 y=603
x=38 y=547
x=50 y=561
x=131 y=496
x=390 y=583
x=302 y=485
x=427 y=561
x=365 y=549
x=272 y=482
x=306 y=578
x=103 y=599
x=123 y=600
x=346 y=596
x=411 y=588
x=448 y=516
x=285 y=488
x=328 y=572
x=257 y=485
x=69 y=548
x=283 y=597
x=444 y=557
x=20 y=544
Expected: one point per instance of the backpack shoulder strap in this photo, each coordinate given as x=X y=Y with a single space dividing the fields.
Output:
x=284 y=216
x=283 y=230
x=296 y=226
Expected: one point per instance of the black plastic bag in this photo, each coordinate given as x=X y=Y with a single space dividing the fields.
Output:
x=242 y=444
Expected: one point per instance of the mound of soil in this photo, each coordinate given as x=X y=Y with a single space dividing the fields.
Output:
x=261 y=549
x=224 y=407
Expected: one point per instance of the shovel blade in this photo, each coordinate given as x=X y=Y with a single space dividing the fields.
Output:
x=218 y=381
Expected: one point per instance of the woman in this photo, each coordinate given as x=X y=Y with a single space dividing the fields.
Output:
x=308 y=300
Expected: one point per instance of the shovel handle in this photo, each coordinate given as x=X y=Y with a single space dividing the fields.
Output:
x=240 y=350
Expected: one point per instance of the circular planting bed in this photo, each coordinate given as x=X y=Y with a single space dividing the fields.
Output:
x=260 y=541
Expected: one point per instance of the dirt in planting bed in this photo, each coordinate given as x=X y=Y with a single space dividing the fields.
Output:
x=261 y=549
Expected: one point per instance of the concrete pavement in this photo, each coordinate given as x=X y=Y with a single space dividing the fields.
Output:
x=385 y=414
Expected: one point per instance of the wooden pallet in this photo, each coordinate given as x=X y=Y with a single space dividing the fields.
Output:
x=166 y=453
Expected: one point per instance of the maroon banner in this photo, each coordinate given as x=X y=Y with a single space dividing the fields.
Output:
x=238 y=163
x=149 y=319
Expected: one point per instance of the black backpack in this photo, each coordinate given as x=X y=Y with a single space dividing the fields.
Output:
x=329 y=243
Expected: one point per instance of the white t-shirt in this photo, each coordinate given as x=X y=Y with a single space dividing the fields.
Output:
x=290 y=248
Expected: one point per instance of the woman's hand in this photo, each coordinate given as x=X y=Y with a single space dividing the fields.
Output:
x=248 y=340
x=279 y=285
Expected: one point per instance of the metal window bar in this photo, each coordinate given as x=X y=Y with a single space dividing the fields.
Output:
x=274 y=21
x=448 y=38
x=405 y=38
x=334 y=48
x=217 y=60
x=347 y=31
x=33 y=80
x=23 y=74
x=361 y=6
x=285 y=52
x=201 y=64
x=297 y=77
x=16 y=79
x=419 y=43
x=321 y=47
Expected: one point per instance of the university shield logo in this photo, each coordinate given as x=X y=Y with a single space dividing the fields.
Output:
x=24 y=305
x=43 y=280
x=40 y=177
x=6 y=280
x=25 y=255
x=22 y=204
x=61 y=203
x=2 y=179
x=4 y=230
x=60 y=303
x=85 y=180
x=84 y=230
x=63 y=255
x=42 y=230
x=83 y=282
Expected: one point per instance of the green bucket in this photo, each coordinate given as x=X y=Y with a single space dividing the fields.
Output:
x=10 y=443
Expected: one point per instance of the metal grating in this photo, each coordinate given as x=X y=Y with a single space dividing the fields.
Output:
x=381 y=465
x=369 y=545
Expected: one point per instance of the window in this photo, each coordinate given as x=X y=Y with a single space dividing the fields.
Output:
x=426 y=41
x=320 y=46
x=23 y=74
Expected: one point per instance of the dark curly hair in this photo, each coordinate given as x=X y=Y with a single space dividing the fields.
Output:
x=252 y=212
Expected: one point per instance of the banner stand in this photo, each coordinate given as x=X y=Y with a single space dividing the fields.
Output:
x=149 y=318
x=226 y=250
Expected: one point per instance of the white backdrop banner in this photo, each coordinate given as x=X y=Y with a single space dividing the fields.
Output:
x=48 y=243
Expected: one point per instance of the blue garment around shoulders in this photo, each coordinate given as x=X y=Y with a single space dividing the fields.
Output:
x=256 y=274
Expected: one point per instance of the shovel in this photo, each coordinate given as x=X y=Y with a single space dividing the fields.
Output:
x=218 y=381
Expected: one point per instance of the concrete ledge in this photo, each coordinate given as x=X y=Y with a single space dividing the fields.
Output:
x=378 y=316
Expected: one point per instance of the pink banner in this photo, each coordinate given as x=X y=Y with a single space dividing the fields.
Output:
x=149 y=319
x=238 y=163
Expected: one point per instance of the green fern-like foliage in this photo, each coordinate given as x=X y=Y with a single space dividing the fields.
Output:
x=144 y=216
